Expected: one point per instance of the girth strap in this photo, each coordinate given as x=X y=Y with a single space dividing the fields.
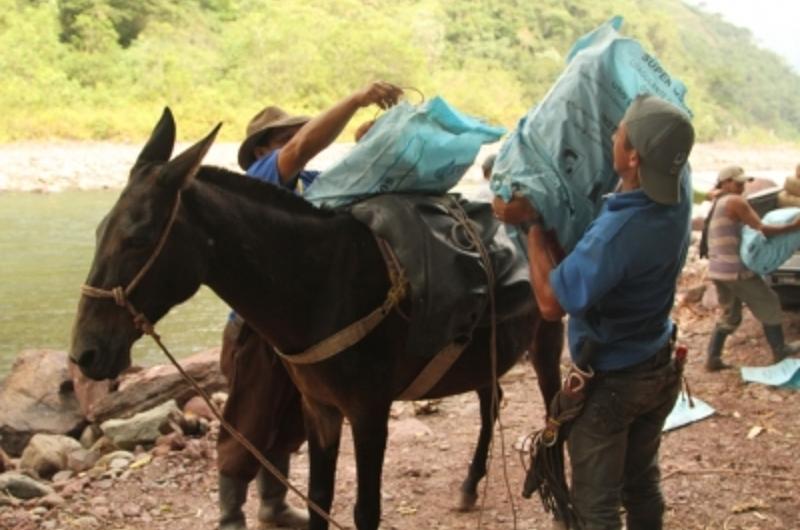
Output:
x=433 y=371
x=352 y=334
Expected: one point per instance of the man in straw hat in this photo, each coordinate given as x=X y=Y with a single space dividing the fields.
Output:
x=618 y=286
x=735 y=283
x=263 y=403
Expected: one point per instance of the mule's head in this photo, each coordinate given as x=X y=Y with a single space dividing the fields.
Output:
x=126 y=239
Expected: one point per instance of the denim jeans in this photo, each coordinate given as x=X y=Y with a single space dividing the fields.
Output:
x=613 y=446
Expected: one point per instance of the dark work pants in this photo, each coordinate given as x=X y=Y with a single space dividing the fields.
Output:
x=263 y=403
x=613 y=446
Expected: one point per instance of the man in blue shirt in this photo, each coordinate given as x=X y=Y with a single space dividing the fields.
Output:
x=618 y=287
x=263 y=403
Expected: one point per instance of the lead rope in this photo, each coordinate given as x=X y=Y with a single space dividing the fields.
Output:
x=120 y=297
x=457 y=211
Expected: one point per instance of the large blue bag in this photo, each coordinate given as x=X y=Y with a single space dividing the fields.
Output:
x=762 y=254
x=559 y=156
x=424 y=148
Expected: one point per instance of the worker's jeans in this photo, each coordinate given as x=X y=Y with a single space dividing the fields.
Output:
x=613 y=446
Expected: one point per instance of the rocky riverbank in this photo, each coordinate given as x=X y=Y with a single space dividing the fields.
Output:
x=56 y=166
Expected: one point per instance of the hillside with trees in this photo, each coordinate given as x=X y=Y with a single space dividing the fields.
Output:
x=103 y=69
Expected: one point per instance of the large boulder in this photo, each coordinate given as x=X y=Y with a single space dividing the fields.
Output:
x=5 y=462
x=23 y=487
x=37 y=397
x=87 y=391
x=46 y=454
x=143 y=428
x=152 y=386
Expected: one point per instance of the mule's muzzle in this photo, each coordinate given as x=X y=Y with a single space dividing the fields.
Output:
x=94 y=365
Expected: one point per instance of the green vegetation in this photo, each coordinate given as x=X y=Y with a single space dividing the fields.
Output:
x=103 y=69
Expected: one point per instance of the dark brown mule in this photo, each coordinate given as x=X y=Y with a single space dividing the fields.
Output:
x=297 y=274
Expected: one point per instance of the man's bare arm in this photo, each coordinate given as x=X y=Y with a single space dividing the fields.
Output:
x=544 y=252
x=543 y=257
x=740 y=210
x=321 y=131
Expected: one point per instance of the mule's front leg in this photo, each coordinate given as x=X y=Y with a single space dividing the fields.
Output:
x=324 y=428
x=477 y=469
x=545 y=355
x=370 y=431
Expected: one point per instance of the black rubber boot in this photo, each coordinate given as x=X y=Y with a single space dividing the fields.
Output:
x=274 y=510
x=714 y=356
x=232 y=495
x=780 y=350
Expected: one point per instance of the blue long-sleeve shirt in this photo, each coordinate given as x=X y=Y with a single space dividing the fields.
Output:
x=618 y=284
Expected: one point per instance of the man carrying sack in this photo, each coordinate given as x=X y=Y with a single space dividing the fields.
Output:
x=618 y=286
x=735 y=283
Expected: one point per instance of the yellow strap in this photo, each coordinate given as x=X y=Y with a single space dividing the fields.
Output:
x=349 y=336
x=433 y=371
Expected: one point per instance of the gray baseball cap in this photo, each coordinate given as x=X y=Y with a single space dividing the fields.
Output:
x=663 y=136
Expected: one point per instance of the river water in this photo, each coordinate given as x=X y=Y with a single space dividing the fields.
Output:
x=46 y=246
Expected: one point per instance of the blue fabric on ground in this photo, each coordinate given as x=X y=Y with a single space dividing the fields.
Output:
x=763 y=254
x=425 y=148
x=559 y=156
x=785 y=374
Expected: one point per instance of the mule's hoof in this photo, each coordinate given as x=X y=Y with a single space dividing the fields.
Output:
x=467 y=502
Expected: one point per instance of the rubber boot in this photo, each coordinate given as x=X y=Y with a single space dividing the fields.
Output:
x=780 y=350
x=274 y=510
x=232 y=496
x=714 y=357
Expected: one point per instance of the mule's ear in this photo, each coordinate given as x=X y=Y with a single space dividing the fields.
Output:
x=159 y=147
x=179 y=172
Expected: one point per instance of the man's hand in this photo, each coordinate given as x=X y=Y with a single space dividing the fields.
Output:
x=381 y=93
x=363 y=129
x=515 y=212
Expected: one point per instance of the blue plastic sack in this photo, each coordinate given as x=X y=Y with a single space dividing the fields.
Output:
x=559 y=156
x=425 y=148
x=762 y=254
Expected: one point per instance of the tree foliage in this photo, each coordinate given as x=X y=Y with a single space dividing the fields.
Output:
x=104 y=68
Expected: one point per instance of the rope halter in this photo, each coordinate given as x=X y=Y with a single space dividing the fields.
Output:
x=121 y=294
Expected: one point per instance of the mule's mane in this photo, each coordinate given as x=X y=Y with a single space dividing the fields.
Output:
x=258 y=191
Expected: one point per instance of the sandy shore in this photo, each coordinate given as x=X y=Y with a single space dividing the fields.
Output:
x=56 y=166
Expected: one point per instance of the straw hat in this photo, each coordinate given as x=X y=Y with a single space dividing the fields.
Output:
x=269 y=118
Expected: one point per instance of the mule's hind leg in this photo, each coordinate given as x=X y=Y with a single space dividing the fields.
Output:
x=477 y=469
x=370 y=431
x=324 y=428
